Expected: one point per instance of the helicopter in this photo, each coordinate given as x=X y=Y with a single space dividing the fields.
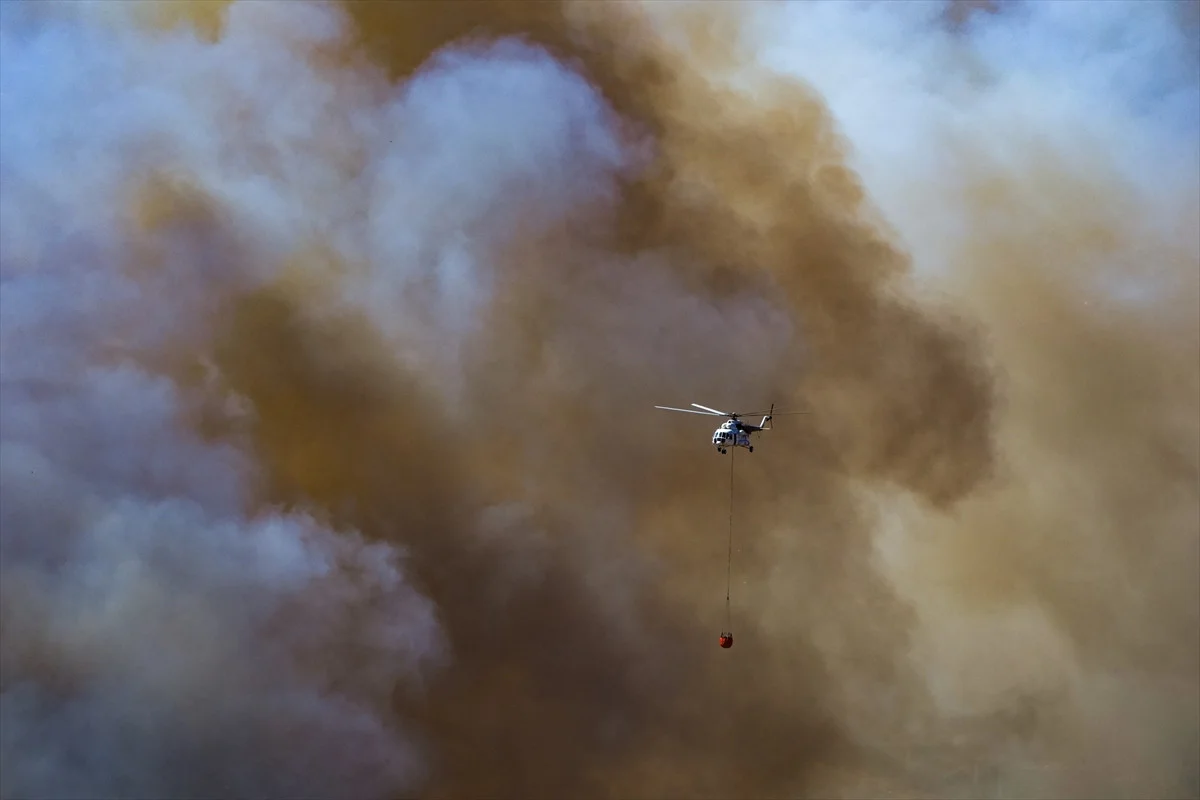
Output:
x=733 y=432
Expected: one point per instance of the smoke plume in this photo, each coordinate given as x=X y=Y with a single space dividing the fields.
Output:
x=331 y=336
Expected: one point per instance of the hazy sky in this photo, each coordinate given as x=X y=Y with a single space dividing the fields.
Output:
x=330 y=337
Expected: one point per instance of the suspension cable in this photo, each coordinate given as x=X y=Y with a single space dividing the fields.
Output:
x=729 y=555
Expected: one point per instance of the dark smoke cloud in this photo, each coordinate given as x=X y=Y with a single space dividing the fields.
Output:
x=330 y=337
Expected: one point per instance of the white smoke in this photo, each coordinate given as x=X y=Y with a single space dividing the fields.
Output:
x=164 y=635
x=157 y=640
x=1042 y=166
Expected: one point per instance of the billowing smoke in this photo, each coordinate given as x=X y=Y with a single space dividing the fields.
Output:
x=330 y=336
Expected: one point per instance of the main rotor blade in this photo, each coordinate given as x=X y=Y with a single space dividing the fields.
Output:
x=771 y=413
x=689 y=411
x=713 y=410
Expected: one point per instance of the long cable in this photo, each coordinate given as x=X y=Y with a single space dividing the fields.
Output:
x=729 y=555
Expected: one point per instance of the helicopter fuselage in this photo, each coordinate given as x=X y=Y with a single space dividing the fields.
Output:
x=733 y=433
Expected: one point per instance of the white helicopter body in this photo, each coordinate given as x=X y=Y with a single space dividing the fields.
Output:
x=733 y=432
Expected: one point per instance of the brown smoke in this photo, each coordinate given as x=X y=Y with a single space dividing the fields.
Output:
x=589 y=679
x=1000 y=484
